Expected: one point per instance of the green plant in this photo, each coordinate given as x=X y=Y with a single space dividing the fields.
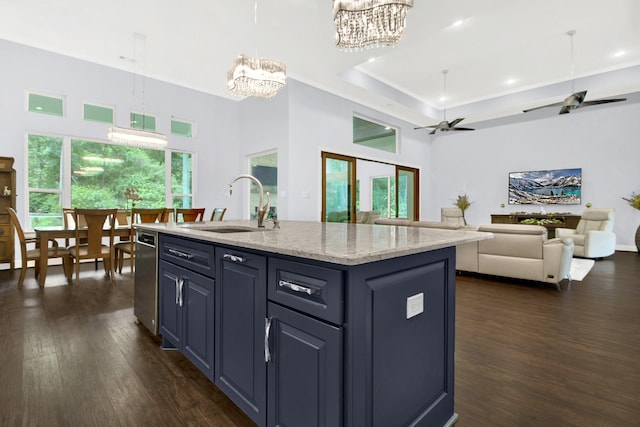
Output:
x=463 y=203
x=634 y=200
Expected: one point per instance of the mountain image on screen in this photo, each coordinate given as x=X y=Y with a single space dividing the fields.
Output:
x=546 y=187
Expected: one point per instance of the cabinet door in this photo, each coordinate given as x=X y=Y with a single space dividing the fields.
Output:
x=305 y=370
x=170 y=311
x=241 y=305
x=198 y=321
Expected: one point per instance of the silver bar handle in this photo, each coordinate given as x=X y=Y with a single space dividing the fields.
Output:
x=177 y=279
x=234 y=258
x=296 y=288
x=267 y=329
x=179 y=254
x=181 y=286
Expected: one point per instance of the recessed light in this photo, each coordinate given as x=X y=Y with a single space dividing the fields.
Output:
x=510 y=81
x=620 y=53
x=457 y=22
x=443 y=98
x=371 y=60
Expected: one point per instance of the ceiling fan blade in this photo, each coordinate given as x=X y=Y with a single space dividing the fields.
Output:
x=457 y=128
x=566 y=109
x=455 y=122
x=425 y=127
x=602 y=101
x=555 y=104
x=433 y=131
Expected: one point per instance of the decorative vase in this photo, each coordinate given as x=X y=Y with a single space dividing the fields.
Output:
x=638 y=239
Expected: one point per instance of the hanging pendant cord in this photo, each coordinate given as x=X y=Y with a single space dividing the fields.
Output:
x=444 y=93
x=571 y=33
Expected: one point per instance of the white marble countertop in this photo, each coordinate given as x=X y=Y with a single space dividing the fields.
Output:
x=346 y=244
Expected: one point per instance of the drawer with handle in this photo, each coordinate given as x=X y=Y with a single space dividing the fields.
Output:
x=196 y=256
x=311 y=289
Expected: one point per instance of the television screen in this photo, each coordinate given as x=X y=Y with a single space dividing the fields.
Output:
x=546 y=187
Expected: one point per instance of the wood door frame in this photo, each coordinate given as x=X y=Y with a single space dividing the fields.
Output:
x=353 y=160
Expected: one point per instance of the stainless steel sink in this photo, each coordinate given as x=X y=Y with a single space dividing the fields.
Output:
x=228 y=229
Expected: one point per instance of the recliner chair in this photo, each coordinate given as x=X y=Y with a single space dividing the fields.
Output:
x=452 y=216
x=593 y=237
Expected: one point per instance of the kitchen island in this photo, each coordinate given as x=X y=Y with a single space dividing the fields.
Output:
x=316 y=324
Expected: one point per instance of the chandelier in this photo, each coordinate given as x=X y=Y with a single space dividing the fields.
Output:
x=260 y=77
x=369 y=23
x=137 y=137
x=132 y=136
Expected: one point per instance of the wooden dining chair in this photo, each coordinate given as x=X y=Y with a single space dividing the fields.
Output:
x=95 y=220
x=34 y=254
x=218 y=214
x=138 y=216
x=69 y=223
x=189 y=214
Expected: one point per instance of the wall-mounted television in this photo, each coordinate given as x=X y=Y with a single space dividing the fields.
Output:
x=546 y=187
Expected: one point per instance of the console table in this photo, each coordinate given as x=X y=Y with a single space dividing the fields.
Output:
x=568 y=220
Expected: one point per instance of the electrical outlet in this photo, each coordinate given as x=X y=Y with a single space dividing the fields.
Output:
x=415 y=305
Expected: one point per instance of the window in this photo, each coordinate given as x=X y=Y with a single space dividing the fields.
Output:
x=374 y=135
x=181 y=180
x=101 y=173
x=265 y=168
x=72 y=172
x=45 y=180
x=181 y=128
x=46 y=104
x=96 y=113
x=142 y=121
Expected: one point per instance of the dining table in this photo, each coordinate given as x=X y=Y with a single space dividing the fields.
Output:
x=44 y=234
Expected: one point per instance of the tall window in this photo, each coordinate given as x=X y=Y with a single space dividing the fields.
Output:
x=181 y=180
x=69 y=172
x=45 y=180
x=265 y=168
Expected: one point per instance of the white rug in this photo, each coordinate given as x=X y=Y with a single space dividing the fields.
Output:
x=580 y=268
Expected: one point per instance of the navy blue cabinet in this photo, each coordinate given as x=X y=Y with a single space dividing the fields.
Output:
x=240 y=311
x=300 y=342
x=304 y=370
x=187 y=301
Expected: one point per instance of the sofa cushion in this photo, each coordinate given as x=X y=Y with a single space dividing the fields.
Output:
x=393 y=221
x=514 y=229
x=435 y=224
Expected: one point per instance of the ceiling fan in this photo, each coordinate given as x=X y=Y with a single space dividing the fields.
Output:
x=444 y=125
x=576 y=99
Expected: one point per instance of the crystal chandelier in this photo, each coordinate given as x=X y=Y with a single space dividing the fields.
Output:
x=256 y=77
x=369 y=23
x=137 y=137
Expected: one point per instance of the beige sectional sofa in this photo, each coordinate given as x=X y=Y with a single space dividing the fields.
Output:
x=516 y=250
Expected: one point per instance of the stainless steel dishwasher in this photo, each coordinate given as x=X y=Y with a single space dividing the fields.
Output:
x=145 y=292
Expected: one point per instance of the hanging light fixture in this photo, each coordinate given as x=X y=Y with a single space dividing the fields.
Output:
x=131 y=136
x=257 y=77
x=369 y=23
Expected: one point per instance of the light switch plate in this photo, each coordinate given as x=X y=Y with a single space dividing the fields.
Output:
x=415 y=305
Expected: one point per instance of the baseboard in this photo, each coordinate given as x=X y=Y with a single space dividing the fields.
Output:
x=625 y=248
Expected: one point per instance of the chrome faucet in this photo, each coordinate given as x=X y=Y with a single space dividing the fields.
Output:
x=262 y=210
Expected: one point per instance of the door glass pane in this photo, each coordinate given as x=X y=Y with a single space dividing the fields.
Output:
x=380 y=200
x=338 y=191
x=181 y=173
x=102 y=173
x=406 y=194
x=265 y=168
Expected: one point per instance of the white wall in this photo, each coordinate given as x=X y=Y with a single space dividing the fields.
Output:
x=601 y=141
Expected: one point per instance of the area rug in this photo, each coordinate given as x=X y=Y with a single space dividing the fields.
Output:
x=580 y=268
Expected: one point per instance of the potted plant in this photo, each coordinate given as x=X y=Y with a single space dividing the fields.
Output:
x=463 y=203
x=634 y=202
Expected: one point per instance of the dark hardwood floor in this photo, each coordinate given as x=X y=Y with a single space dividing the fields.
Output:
x=526 y=355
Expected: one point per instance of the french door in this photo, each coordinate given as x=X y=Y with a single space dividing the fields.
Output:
x=342 y=184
